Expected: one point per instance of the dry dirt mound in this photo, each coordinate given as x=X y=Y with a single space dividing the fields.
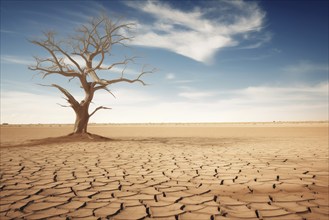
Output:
x=87 y=137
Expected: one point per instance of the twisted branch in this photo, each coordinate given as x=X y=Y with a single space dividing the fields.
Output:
x=98 y=108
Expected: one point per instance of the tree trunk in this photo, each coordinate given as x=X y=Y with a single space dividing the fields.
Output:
x=81 y=121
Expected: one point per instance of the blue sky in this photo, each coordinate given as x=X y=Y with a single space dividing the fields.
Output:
x=217 y=61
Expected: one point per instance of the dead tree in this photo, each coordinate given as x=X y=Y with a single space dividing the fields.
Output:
x=92 y=43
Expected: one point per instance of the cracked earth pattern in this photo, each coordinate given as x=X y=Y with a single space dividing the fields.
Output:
x=166 y=179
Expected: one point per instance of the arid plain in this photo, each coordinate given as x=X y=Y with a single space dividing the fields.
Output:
x=166 y=171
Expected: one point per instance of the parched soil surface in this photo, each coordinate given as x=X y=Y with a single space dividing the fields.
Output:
x=167 y=178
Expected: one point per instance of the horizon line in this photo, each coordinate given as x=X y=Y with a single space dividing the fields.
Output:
x=161 y=123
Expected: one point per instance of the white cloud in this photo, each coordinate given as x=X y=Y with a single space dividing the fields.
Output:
x=16 y=60
x=124 y=97
x=78 y=14
x=306 y=67
x=170 y=76
x=184 y=81
x=193 y=94
x=260 y=40
x=24 y=107
x=193 y=35
x=7 y=31
x=261 y=103
x=197 y=95
x=248 y=104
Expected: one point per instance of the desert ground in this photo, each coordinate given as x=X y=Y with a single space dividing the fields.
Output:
x=166 y=171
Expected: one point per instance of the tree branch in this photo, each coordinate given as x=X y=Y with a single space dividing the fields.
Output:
x=105 y=88
x=109 y=82
x=58 y=67
x=70 y=99
x=64 y=106
x=138 y=79
x=50 y=51
x=124 y=62
x=98 y=108
x=69 y=57
x=47 y=72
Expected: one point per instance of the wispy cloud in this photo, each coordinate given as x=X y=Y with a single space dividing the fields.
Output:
x=259 y=96
x=185 y=81
x=170 y=76
x=124 y=97
x=259 y=103
x=25 y=107
x=259 y=40
x=304 y=67
x=197 y=34
x=262 y=103
x=5 y=31
x=196 y=95
x=262 y=56
x=78 y=15
x=8 y=59
x=303 y=94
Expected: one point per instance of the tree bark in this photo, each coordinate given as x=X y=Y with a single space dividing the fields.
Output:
x=81 y=120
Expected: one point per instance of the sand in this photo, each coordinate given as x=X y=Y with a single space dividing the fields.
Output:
x=167 y=171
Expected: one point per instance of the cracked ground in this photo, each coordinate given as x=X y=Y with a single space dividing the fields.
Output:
x=167 y=178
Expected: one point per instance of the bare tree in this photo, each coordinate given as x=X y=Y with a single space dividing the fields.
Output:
x=92 y=43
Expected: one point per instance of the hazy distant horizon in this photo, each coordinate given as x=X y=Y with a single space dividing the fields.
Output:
x=176 y=123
